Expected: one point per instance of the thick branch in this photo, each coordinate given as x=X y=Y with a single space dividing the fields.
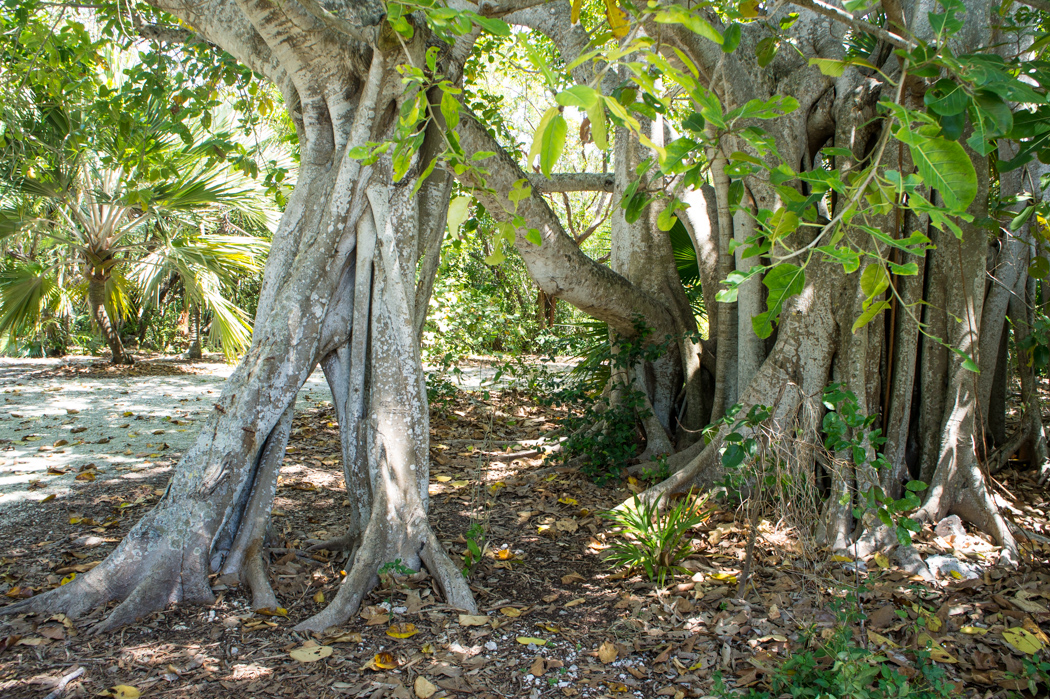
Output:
x=572 y=182
x=860 y=25
x=558 y=265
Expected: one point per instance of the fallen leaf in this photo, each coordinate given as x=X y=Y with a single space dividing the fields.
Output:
x=510 y=611
x=505 y=554
x=310 y=654
x=68 y=579
x=526 y=640
x=424 y=688
x=48 y=498
x=442 y=479
x=406 y=630
x=473 y=620
x=537 y=668
x=382 y=661
x=1022 y=640
x=973 y=630
x=575 y=602
x=571 y=578
x=319 y=597
x=568 y=501
x=881 y=560
x=880 y=640
x=566 y=525
x=86 y=476
x=280 y=611
x=122 y=691
x=607 y=653
x=354 y=637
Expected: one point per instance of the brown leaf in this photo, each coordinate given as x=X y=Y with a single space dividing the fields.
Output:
x=571 y=578
x=607 y=652
x=537 y=668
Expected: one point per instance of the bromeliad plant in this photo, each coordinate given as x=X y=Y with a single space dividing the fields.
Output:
x=656 y=541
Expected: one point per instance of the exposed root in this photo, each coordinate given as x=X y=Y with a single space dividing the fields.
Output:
x=343 y=542
x=255 y=577
x=146 y=584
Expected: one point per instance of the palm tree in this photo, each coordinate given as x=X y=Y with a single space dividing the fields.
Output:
x=90 y=204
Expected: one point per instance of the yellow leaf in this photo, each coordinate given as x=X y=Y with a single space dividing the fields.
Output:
x=460 y=484
x=68 y=579
x=842 y=559
x=573 y=603
x=49 y=498
x=749 y=8
x=280 y=611
x=568 y=501
x=880 y=640
x=724 y=577
x=526 y=640
x=607 y=653
x=575 y=16
x=319 y=597
x=442 y=479
x=550 y=627
x=510 y=611
x=424 y=688
x=617 y=687
x=973 y=630
x=473 y=620
x=354 y=637
x=405 y=630
x=382 y=661
x=504 y=554
x=86 y=476
x=617 y=19
x=955 y=574
x=123 y=691
x=1022 y=640
x=881 y=560
x=310 y=654
x=940 y=655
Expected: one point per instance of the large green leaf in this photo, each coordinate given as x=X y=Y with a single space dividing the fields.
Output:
x=783 y=281
x=552 y=144
x=943 y=166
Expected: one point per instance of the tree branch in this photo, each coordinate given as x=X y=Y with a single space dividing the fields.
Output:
x=1041 y=5
x=557 y=265
x=839 y=15
x=572 y=182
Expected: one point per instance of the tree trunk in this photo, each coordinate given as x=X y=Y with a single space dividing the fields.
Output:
x=339 y=290
x=97 y=304
x=194 y=323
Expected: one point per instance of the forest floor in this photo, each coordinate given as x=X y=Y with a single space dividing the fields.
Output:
x=554 y=619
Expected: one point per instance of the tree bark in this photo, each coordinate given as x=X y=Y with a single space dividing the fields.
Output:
x=97 y=304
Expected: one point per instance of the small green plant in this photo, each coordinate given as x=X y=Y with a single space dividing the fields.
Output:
x=842 y=669
x=386 y=574
x=475 y=546
x=655 y=541
x=661 y=472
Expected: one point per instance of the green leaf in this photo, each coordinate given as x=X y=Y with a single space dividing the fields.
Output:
x=783 y=281
x=766 y=50
x=944 y=166
x=596 y=115
x=457 y=214
x=947 y=98
x=534 y=237
x=496 y=27
x=1039 y=268
x=731 y=38
x=869 y=314
x=915 y=486
x=537 y=139
x=676 y=14
x=582 y=96
x=553 y=144
x=874 y=280
x=675 y=152
x=830 y=66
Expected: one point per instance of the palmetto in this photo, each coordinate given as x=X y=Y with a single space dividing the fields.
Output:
x=127 y=213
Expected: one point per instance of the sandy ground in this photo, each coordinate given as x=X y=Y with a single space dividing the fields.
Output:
x=127 y=426
x=123 y=424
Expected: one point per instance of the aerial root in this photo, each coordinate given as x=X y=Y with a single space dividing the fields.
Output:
x=258 y=581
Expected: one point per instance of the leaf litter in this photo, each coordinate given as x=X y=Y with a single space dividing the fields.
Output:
x=553 y=620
